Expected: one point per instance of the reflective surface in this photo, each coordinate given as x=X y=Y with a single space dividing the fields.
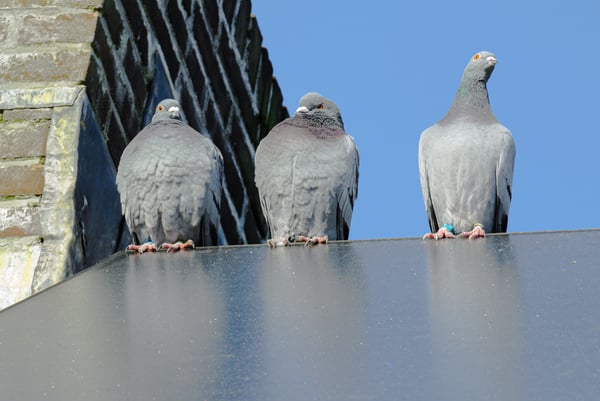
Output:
x=509 y=317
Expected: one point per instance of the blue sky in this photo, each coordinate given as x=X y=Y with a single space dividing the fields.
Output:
x=393 y=68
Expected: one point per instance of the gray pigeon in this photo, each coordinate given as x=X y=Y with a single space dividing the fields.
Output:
x=307 y=175
x=466 y=161
x=170 y=181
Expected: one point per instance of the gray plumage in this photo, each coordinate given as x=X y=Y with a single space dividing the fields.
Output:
x=466 y=160
x=170 y=181
x=307 y=173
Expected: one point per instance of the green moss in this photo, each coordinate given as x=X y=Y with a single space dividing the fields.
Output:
x=94 y=9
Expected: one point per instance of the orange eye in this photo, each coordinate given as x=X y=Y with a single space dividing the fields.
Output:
x=476 y=57
x=321 y=106
x=160 y=108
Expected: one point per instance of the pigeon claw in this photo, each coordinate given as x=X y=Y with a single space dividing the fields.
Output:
x=147 y=247
x=476 y=232
x=440 y=234
x=310 y=241
x=177 y=246
x=281 y=241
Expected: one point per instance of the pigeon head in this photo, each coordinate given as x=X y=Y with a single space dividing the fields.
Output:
x=167 y=109
x=319 y=109
x=471 y=99
x=480 y=67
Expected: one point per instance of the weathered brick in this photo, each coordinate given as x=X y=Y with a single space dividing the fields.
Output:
x=4 y=26
x=44 y=3
x=23 y=139
x=20 y=96
x=45 y=65
x=43 y=113
x=20 y=217
x=70 y=27
x=25 y=178
x=13 y=231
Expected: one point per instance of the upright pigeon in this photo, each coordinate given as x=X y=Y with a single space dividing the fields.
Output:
x=307 y=175
x=170 y=180
x=466 y=161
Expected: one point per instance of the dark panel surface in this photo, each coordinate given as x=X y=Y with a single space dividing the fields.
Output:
x=509 y=317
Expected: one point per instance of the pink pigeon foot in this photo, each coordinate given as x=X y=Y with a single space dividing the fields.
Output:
x=177 y=246
x=310 y=241
x=443 y=232
x=476 y=232
x=281 y=241
x=147 y=247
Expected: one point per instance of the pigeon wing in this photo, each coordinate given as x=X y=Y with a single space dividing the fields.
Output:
x=504 y=178
x=169 y=179
x=307 y=185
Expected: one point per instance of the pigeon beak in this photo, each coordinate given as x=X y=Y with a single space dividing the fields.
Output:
x=492 y=60
x=302 y=109
x=174 y=111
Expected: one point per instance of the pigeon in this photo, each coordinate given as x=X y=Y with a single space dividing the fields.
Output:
x=466 y=161
x=307 y=175
x=170 y=180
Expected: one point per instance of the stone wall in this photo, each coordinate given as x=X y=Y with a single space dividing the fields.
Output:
x=78 y=79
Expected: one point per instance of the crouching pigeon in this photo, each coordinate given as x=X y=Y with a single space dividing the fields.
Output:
x=466 y=161
x=307 y=175
x=170 y=181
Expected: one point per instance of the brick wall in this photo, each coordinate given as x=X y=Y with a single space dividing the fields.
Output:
x=44 y=55
x=78 y=79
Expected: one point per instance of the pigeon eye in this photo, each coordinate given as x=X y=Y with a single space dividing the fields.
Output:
x=321 y=106
x=160 y=108
x=476 y=57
